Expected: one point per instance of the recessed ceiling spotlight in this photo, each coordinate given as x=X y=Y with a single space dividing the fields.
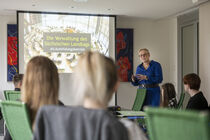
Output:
x=110 y=9
x=80 y=0
x=72 y=7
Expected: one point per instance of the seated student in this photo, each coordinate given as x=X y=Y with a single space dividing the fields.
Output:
x=168 y=96
x=192 y=85
x=17 y=81
x=95 y=80
x=40 y=85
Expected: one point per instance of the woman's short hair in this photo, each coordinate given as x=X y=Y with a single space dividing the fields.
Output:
x=168 y=94
x=95 y=78
x=144 y=49
x=193 y=80
x=40 y=84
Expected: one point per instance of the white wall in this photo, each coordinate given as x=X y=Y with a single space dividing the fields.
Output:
x=204 y=49
x=160 y=37
x=4 y=20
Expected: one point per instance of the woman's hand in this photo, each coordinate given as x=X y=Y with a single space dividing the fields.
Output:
x=141 y=77
x=133 y=78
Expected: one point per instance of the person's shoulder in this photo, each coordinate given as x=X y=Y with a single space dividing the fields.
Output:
x=60 y=103
x=202 y=96
x=140 y=65
x=199 y=95
x=153 y=62
x=199 y=98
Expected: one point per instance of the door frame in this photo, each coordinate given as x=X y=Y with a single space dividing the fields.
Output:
x=185 y=20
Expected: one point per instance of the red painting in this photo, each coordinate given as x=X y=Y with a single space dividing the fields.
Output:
x=12 y=60
x=124 y=53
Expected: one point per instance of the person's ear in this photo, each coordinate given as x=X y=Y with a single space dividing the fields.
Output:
x=186 y=87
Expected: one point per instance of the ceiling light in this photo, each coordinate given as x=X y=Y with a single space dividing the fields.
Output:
x=72 y=7
x=80 y=0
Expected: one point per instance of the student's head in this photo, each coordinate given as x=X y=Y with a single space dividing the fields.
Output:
x=191 y=81
x=167 y=93
x=17 y=80
x=40 y=84
x=144 y=55
x=95 y=78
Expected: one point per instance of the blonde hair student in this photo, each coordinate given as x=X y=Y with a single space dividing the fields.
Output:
x=97 y=78
x=40 y=84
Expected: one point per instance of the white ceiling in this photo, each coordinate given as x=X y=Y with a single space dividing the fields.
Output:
x=152 y=9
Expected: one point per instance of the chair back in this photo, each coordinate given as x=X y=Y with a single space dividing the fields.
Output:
x=17 y=119
x=12 y=95
x=139 y=100
x=181 y=100
x=173 y=124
